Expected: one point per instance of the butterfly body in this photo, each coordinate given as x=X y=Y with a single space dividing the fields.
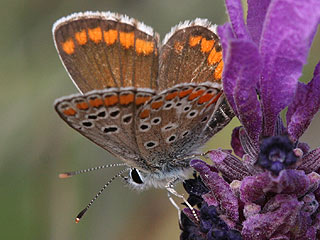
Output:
x=152 y=106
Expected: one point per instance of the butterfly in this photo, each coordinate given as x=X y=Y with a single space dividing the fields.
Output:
x=151 y=104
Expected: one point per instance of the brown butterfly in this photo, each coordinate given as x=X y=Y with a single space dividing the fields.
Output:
x=152 y=105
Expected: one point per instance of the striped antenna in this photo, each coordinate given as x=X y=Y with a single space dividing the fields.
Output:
x=80 y=215
x=70 y=174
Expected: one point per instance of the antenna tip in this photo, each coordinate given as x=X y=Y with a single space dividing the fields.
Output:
x=80 y=215
x=64 y=175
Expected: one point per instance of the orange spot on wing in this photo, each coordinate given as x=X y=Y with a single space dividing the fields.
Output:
x=196 y=94
x=144 y=47
x=81 y=37
x=145 y=113
x=194 y=40
x=68 y=46
x=97 y=102
x=127 y=39
x=206 y=45
x=215 y=99
x=126 y=99
x=95 y=34
x=171 y=95
x=111 y=100
x=185 y=93
x=205 y=98
x=156 y=105
x=214 y=57
x=142 y=100
x=218 y=71
x=70 y=112
x=110 y=36
x=82 y=106
x=178 y=46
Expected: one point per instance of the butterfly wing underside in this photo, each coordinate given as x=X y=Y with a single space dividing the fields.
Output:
x=192 y=107
x=150 y=107
x=107 y=117
x=191 y=53
x=170 y=126
x=103 y=50
x=108 y=56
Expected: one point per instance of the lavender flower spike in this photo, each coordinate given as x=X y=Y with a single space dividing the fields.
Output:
x=280 y=37
x=270 y=188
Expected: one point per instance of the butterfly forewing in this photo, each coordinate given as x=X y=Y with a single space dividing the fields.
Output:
x=107 y=117
x=191 y=54
x=101 y=50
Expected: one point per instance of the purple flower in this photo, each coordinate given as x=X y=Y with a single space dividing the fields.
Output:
x=270 y=189
x=211 y=225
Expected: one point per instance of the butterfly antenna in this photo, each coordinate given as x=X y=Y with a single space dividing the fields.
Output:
x=70 y=174
x=80 y=215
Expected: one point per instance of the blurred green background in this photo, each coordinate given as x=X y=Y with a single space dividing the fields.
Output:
x=35 y=145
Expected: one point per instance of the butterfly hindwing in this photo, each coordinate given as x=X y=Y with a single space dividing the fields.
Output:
x=107 y=117
x=169 y=126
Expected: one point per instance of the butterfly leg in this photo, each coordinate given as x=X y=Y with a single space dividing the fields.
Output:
x=171 y=190
x=175 y=205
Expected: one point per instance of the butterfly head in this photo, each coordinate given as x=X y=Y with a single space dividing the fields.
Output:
x=141 y=180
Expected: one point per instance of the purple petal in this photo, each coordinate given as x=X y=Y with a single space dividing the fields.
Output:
x=303 y=224
x=314 y=184
x=251 y=210
x=235 y=142
x=231 y=167
x=279 y=127
x=235 y=13
x=310 y=162
x=312 y=231
x=252 y=149
x=225 y=34
x=249 y=162
x=274 y=223
x=256 y=14
x=241 y=74
x=287 y=34
x=310 y=234
x=292 y=182
x=305 y=105
x=219 y=188
x=254 y=188
x=251 y=188
x=230 y=83
x=210 y=199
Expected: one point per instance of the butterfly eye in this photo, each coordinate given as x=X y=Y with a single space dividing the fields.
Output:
x=135 y=176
